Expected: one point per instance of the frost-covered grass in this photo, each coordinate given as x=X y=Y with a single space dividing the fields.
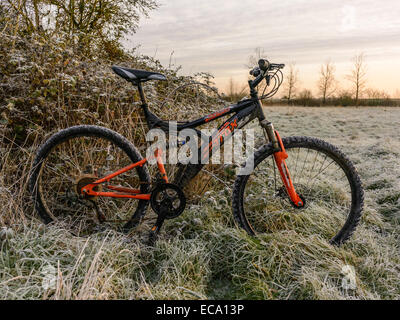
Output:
x=369 y=136
x=203 y=255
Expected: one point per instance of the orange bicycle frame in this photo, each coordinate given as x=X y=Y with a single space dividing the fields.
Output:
x=123 y=192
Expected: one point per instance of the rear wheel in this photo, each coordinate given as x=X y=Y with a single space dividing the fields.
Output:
x=75 y=157
x=322 y=175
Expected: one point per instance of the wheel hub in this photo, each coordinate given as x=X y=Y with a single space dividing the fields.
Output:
x=282 y=193
x=85 y=180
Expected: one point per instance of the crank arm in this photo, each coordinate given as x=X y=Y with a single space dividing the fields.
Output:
x=155 y=230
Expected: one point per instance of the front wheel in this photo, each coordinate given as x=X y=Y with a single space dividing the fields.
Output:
x=322 y=175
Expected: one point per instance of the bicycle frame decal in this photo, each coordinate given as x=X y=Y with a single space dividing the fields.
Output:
x=225 y=132
x=214 y=115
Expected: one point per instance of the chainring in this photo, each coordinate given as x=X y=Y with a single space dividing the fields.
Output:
x=169 y=199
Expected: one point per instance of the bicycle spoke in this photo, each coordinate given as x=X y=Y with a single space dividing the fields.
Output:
x=79 y=159
x=320 y=180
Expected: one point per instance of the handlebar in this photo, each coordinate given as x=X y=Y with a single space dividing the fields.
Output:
x=264 y=65
x=264 y=70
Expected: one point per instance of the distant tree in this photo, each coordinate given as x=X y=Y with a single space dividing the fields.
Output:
x=305 y=94
x=376 y=94
x=344 y=93
x=291 y=83
x=305 y=97
x=327 y=82
x=358 y=76
x=345 y=98
x=235 y=92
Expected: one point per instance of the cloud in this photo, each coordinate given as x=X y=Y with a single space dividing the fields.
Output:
x=218 y=36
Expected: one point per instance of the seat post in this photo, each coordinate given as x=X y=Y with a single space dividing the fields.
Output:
x=147 y=113
x=141 y=93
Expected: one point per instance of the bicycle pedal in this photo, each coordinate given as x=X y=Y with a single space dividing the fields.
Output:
x=153 y=235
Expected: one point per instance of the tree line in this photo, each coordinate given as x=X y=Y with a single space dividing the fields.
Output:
x=328 y=89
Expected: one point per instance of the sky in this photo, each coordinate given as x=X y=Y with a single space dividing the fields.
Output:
x=218 y=36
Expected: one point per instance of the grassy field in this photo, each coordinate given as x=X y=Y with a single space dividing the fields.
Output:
x=203 y=255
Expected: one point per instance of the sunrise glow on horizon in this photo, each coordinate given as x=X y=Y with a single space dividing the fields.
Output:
x=219 y=36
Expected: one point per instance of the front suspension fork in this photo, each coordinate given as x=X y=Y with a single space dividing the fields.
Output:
x=280 y=155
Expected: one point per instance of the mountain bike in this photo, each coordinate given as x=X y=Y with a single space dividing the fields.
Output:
x=90 y=175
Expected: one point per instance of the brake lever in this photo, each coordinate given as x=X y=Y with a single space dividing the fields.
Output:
x=268 y=79
x=255 y=72
x=274 y=66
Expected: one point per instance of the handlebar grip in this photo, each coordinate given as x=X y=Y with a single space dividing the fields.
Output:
x=263 y=64
x=277 y=65
x=255 y=72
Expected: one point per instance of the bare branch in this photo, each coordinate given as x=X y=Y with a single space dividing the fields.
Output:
x=358 y=76
x=291 y=82
x=327 y=83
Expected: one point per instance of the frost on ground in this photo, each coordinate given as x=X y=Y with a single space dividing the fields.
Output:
x=202 y=254
x=369 y=136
